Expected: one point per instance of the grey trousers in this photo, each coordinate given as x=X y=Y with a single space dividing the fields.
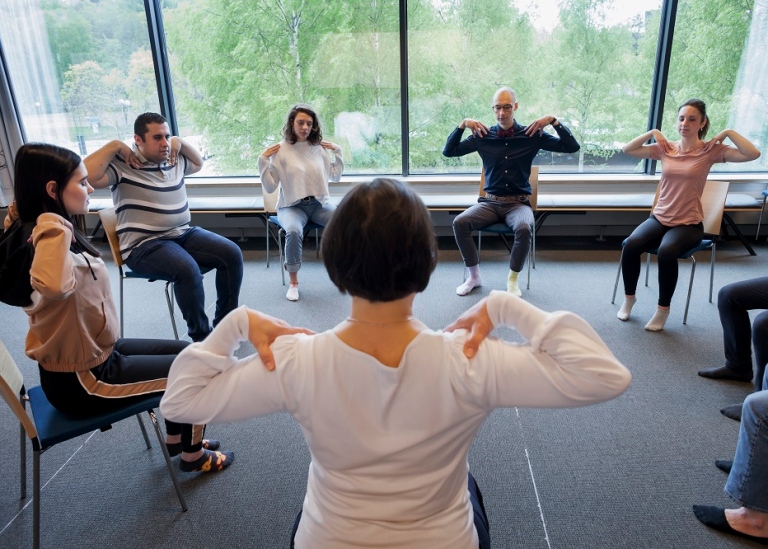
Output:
x=516 y=215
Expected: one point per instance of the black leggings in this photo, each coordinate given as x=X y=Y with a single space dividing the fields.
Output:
x=135 y=369
x=478 y=507
x=670 y=241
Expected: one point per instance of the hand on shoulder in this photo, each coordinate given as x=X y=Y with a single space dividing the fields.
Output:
x=477 y=322
x=328 y=145
x=270 y=151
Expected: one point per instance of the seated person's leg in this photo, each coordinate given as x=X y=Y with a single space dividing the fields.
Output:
x=214 y=252
x=322 y=214
x=479 y=215
x=676 y=241
x=166 y=260
x=481 y=517
x=760 y=342
x=293 y=221
x=748 y=480
x=520 y=220
x=646 y=236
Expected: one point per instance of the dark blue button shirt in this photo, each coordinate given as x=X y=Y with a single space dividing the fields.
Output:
x=507 y=161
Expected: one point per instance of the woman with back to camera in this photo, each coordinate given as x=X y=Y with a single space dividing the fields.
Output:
x=389 y=407
x=676 y=224
x=73 y=327
x=301 y=167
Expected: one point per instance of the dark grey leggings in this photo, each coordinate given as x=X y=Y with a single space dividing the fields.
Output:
x=670 y=241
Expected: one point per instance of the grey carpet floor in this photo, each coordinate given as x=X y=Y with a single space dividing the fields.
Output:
x=620 y=474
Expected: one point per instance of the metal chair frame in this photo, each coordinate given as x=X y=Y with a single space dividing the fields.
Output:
x=48 y=427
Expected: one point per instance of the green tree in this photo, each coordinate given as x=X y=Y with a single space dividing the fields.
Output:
x=588 y=78
x=84 y=94
x=706 y=52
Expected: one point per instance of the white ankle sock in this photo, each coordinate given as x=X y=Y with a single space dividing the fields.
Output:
x=656 y=324
x=469 y=284
x=626 y=308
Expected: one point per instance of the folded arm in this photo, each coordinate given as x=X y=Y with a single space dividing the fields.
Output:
x=52 y=272
x=207 y=383
x=564 y=363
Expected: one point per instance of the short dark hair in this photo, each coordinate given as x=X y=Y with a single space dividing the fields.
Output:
x=36 y=164
x=315 y=136
x=380 y=244
x=700 y=106
x=144 y=119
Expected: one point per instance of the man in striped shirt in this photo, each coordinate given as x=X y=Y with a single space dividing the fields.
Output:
x=147 y=184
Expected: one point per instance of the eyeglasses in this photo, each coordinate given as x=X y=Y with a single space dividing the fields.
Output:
x=499 y=108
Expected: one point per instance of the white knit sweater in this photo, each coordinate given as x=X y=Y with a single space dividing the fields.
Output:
x=389 y=445
x=300 y=170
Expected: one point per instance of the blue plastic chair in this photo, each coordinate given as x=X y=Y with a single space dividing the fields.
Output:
x=760 y=219
x=49 y=427
x=713 y=204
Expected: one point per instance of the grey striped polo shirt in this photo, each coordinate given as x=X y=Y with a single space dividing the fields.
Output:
x=150 y=202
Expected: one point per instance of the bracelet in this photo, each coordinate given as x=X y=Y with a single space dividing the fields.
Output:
x=554 y=121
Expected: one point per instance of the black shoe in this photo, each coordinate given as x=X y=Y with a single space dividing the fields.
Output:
x=724 y=372
x=732 y=411
x=725 y=465
x=714 y=517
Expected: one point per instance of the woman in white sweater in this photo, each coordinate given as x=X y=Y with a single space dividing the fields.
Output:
x=302 y=167
x=388 y=406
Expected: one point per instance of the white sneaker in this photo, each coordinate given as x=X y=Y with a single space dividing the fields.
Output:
x=293 y=293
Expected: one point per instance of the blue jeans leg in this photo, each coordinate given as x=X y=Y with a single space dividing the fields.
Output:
x=182 y=261
x=214 y=252
x=293 y=219
x=748 y=480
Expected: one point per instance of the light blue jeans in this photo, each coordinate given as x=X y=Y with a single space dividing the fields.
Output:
x=293 y=219
x=748 y=481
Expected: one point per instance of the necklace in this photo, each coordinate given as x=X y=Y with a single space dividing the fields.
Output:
x=401 y=321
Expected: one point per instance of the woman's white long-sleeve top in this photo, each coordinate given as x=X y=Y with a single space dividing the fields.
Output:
x=389 y=445
x=300 y=170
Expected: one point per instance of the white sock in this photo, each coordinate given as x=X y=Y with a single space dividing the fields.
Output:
x=657 y=322
x=626 y=308
x=512 y=286
x=473 y=281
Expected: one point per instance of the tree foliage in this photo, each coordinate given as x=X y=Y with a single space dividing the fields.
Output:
x=238 y=66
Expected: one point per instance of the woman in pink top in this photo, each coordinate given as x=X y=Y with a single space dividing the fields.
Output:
x=675 y=224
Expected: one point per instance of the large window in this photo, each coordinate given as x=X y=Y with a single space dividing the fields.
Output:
x=588 y=62
x=238 y=67
x=718 y=56
x=80 y=70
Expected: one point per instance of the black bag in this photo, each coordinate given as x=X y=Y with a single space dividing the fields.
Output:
x=16 y=254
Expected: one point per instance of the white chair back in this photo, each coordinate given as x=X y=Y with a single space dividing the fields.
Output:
x=11 y=383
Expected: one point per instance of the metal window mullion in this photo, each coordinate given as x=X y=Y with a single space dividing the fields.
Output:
x=160 y=60
x=661 y=71
x=404 y=122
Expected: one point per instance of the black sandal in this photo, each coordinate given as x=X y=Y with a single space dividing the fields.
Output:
x=209 y=462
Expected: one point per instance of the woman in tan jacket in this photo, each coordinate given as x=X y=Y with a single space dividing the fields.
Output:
x=73 y=328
